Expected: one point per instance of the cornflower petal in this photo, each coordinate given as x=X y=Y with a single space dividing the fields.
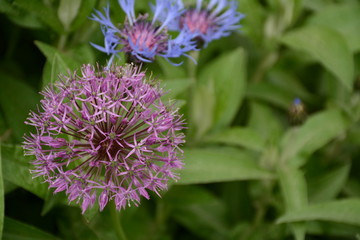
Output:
x=142 y=38
x=207 y=23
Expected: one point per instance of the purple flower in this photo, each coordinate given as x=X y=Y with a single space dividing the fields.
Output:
x=207 y=23
x=143 y=38
x=105 y=135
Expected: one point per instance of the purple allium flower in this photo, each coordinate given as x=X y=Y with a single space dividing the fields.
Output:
x=105 y=135
x=143 y=38
x=207 y=23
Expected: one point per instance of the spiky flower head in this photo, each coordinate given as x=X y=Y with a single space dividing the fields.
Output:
x=141 y=37
x=105 y=135
x=209 y=22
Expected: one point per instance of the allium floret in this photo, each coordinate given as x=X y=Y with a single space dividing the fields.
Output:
x=207 y=23
x=105 y=135
x=141 y=37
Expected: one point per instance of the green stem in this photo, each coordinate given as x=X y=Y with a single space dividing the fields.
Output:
x=62 y=42
x=191 y=70
x=261 y=208
x=191 y=66
x=266 y=63
x=116 y=219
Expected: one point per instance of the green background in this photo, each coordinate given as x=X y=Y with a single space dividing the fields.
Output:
x=250 y=174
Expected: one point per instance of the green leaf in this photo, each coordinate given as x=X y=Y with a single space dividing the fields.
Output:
x=352 y=188
x=43 y=12
x=9 y=187
x=317 y=131
x=91 y=213
x=238 y=136
x=334 y=91
x=57 y=63
x=83 y=54
x=71 y=225
x=16 y=170
x=297 y=9
x=315 y=5
x=67 y=11
x=3 y=128
x=202 y=108
x=288 y=82
x=286 y=12
x=83 y=14
x=332 y=230
x=237 y=197
x=174 y=87
x=265 y=122
x=51 y=200
x=343 y=211
x=16 y=107
x=198 y=210
x=1 y=198
x=186 y=195
x=49 y=72
x=170 y=71
x=220 y=165
x=326 y=46
x=15 y=230
x=228 y=74
x=327 y=186
x=20 y=16
x=343 y=18
x=58 y=66
x=7 y=8
x=50 y=52
x=254 y=20
x=293 y=186
x=149 y=221
x=270 y=93
x=201 y=220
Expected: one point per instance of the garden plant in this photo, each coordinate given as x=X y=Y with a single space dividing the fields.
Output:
x=180 y=119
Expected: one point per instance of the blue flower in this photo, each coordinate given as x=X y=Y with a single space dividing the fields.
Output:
x=142 y=38
x=207 y=23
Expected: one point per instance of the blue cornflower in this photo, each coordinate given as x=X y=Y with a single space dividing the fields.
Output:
x=297 y=112
x=143 y=38
x=297 y=101
x=207 y=23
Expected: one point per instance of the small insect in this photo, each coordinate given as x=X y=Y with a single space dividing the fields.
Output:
x=297 y=112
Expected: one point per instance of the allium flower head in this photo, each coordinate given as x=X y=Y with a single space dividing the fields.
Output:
x=141 y=37
x=105 y=135
x=207 y=23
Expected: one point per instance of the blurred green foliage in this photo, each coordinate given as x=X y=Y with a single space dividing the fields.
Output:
x=250 y=174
